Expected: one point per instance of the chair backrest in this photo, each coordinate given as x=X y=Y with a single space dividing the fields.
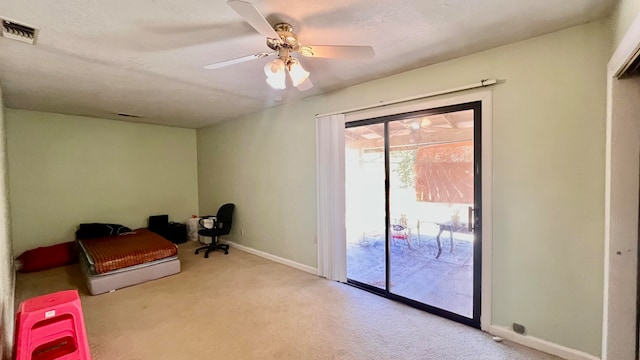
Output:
x=224 y=218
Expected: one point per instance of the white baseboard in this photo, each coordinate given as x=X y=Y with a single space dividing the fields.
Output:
x=277 y=259
x=539 y=344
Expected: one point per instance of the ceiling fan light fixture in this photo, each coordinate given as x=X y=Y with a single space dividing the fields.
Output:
x=297 y=73
x=277 y=81
x=275 y=71
x=274 y=67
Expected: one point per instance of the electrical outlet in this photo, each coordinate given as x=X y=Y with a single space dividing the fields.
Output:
x=519 y=328
x=241 y=232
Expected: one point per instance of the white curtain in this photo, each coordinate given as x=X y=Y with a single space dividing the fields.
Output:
x=332 y=251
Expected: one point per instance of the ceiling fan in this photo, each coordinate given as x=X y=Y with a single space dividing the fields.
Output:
x=283 y=41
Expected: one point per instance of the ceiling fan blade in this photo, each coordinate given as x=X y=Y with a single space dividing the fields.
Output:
x=338 y=51
x=252 y=16
x=237 y=60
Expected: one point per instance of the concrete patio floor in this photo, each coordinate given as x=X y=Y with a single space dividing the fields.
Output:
x=446 y=282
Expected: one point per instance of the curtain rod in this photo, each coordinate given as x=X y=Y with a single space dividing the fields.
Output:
x=482 y=83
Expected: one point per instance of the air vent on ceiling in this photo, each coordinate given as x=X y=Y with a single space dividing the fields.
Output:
x=21 y=32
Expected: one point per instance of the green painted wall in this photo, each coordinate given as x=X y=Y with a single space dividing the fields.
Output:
x=548 y=153
x=65 y=170
x=622 y=18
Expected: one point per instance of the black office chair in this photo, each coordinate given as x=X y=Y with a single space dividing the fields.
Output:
x=221 y=226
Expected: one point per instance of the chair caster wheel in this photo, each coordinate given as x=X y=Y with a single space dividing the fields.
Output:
x=196 y=252
x=206 y=255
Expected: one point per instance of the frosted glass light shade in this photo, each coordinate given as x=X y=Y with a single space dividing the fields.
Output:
x=277 y=81
x=275 y=71
x=297 y=73
x=274 y=67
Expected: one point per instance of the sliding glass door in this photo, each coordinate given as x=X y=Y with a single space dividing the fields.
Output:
x=365 y=205
x=412 y=200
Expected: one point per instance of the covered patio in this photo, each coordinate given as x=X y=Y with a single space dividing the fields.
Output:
x=445 y=282
x=431 y=189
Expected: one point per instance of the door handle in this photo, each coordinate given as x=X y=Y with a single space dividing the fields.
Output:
x=470 y=221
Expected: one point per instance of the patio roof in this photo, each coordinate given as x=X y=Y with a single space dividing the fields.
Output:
x=444 y=152
x=444 y=173
x=412 y=133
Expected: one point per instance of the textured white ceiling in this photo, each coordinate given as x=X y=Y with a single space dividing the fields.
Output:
x=145 y=57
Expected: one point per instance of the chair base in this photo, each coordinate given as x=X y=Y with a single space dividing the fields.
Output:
x=213 y=247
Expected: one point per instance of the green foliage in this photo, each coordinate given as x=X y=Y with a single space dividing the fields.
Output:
x=404 y=162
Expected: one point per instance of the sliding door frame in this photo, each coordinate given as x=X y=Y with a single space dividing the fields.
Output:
x=476 y=106
x=486 y=207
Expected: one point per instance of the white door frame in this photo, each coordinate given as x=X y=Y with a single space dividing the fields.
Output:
x=622 y=172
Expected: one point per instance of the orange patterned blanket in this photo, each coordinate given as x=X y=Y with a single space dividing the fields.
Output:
x=116 y=252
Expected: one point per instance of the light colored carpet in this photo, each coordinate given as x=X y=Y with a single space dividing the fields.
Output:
x=240 y=306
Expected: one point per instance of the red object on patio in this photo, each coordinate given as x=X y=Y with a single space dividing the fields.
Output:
x=444 y=173
x=51 y=327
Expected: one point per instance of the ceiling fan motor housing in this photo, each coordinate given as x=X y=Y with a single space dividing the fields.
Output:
x=288 y=39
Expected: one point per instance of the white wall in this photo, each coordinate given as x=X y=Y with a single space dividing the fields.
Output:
x=7 y=274
x=65 y=170
x=548 y=156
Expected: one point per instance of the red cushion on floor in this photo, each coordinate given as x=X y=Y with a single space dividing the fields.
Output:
x=48 y=257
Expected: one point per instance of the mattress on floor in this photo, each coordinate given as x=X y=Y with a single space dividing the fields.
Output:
x=113 y=253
